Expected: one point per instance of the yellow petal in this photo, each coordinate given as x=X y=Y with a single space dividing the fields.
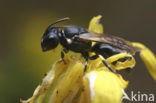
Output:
x=121 y=65
x=69 y=85
x=95 y=25
x=148 y=58
x=47 y=82
x=104 y=87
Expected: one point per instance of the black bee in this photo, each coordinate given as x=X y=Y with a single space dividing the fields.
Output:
x=79 y=40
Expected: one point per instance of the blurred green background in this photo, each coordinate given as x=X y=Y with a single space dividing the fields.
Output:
x=22 y=23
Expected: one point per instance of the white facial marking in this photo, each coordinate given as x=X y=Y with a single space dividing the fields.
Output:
x=91 y=77
x=42 y=40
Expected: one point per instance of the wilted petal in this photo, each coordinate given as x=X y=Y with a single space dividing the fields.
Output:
x=48 y=81
x=95 y=25
x=67 y=87
x=148 y=58
x=121 y=65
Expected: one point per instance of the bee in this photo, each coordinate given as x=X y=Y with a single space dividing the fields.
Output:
x=77 y=39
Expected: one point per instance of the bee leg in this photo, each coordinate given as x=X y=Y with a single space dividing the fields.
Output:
x=64 y=50
x=93 y=57
x=86 y=56
x=106 y=64
x=62 y=57
x=85 y=69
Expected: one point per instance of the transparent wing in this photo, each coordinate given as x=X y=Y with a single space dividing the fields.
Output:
x=114 y=41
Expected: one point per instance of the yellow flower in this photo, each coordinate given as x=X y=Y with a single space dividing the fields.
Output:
x=67 y=83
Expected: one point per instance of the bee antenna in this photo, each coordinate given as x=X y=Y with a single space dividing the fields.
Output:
x=64 y=26
x=58 y=21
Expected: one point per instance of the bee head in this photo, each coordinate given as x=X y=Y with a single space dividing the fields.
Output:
x=50 y=38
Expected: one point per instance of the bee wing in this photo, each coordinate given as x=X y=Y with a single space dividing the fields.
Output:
x=114 y=41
